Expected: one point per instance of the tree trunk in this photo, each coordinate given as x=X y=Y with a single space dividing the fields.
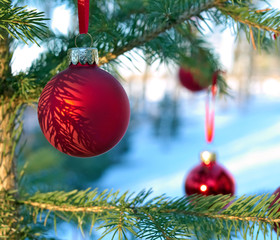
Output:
x=7 y=167
x=8 y=211
x=7 y=164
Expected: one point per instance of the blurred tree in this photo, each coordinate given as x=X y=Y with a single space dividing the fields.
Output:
x=46 y=169
x=166 y=120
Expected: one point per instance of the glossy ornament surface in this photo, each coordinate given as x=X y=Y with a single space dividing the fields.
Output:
x=209 y=178
x=83 y=111
x=188 y=80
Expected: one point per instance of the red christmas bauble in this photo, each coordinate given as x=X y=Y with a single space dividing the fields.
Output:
x=209 y=178
x=276 y=192
x=189 y=81
x=83 y=111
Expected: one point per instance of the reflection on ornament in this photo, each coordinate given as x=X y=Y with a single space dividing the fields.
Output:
x=206 y=157
x=83 y=111
x=203 y=188
x=209 y=177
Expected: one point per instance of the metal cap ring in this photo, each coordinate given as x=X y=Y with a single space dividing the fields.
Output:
x=91 y=39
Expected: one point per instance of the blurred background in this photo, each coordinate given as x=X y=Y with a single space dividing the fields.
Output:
x=166 y=131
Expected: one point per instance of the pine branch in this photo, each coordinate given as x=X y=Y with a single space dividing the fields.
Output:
x=154 y=31
x=258 y=24
x=21 y=23
x=190 y=12
x=160 y=217
x=266 y=19
x=102 y=209
x=65 y=208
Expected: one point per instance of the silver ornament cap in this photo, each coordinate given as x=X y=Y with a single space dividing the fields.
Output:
x=82 y=55
x=208 y=157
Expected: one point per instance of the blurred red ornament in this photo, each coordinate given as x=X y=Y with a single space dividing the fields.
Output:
x=188 y=80
x=276 y=192
x=209 y=178
x=83 y=111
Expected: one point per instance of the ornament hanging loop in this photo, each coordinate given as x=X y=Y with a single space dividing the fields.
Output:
x=91 y=39
x=83 y=14
x=210 y=109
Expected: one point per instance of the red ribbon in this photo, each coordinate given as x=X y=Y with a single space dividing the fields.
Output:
x=210 y=115
x=83 y=12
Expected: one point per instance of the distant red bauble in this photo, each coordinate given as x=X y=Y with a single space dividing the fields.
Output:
x=209 y=178
x=83 y=111
x=276 y=192
x=188 y=80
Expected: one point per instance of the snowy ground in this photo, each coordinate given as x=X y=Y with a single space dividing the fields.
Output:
x=247 y=142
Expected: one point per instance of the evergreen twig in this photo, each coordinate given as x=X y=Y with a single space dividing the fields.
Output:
x=191 y=12
x=21 y=23
x=166 y=216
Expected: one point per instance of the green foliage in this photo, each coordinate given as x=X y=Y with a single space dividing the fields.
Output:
x=21 y=227
x=144 y=216
x=162 y=30
x=259 y=24
x=21 y=23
